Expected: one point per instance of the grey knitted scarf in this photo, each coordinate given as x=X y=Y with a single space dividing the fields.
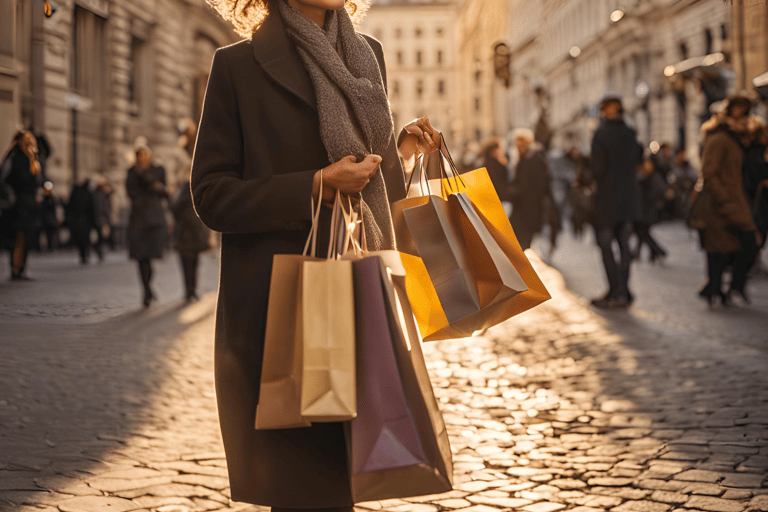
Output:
x=352 y=104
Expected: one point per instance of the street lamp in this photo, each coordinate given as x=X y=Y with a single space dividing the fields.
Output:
x=617 y=15
x=575 y=51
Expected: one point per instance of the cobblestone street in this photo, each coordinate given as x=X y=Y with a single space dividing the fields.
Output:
x=559 y=409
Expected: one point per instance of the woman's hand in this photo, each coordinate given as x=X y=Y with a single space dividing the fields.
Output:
x=421 y=138
x=347 y=176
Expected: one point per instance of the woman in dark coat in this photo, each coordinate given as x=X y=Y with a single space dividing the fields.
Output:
x=728 y=225
x=271 y=123
x=147 y=227
x=81 y=218
x=191 y=236
x=22 y=222
x=529 y=189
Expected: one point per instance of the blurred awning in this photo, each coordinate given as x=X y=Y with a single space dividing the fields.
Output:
x=761 y=84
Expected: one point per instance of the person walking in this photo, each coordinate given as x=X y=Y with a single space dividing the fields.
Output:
x=147 y=227
x=615 y=157
x=529 y=188
x=49 y=212
x=191 y=237
x=730 y=235
x=495 y=162
x=321 y=112
x=81 y=218
x=21 y=222
x=652 y=189
x=102 y=201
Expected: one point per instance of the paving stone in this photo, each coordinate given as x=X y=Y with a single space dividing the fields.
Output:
x=113 y=485
x=454 y=503
x=703 y=489
x=610 y=481
x=603 y=501
x=543 y=506
x=714 y=504
x=673 y=498
x=585 y=509
x=478 y=508
x=97 y=504
x=501 y=502
x=698 y=475
x=150 y=502
x=661 y=485
x=568 y=483
x=742 y=480
x=737 y=494
x=758 y=503
x=642 y=506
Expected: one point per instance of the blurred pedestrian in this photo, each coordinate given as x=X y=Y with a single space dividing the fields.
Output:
x=81 y=218
x=529 y=188
x=615 y=157
x=191 y=236
x=581 y=195
x=147 y=227
x=756 y=176
x=49 y=211
x=102 y=200
x=730 y=235
x=21 y=222
x=495 y=162
x=652 y=189
x=683 y=178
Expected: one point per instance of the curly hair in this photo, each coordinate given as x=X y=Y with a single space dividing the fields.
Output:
x=247 y=15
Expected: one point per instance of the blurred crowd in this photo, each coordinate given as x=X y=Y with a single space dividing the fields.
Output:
x=622 y=190
x=161 y=217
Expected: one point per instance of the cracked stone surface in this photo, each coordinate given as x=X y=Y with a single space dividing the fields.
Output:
x=561 y=408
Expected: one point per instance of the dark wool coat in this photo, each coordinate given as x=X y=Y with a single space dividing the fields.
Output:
x=25 y=215
x=147 y=227
x=727 y=210
x=528 y=190
x=81 y=215
x=190 y=234
x=257 y=151
x=615 y=156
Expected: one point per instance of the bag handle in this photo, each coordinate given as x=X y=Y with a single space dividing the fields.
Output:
x=312 y=238
x=421 y=177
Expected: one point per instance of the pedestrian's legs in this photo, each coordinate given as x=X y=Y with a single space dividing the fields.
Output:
x=189 y=268
x=52 y=237
x=195 y=261
x=19 y=257
x=623 y=231
x=99 y=245
x=605 y=242
x=85 y=251
x=145 y=271
x=742 y=263
x=716 y=264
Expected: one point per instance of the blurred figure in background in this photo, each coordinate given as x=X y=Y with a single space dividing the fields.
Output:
x=81 y=218
x=653 y=189
x=756 y=175
x=147 y=227
x=191 y=236
x=528 y=188
x=102 y=201
x=581 y=196
x=682 y=178
x=21 y=222
x=49 y=212
x=730 y=235
x=495 y=162
x=615 y=157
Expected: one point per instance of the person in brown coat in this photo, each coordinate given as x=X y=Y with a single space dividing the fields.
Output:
x=282 y=110
x=729 y=230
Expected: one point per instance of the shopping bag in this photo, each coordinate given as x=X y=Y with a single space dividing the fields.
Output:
x=497 y=303
x=398 y=445
x=280 y=390
x=327 y=324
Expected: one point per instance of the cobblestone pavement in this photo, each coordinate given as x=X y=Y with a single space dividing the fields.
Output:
x=561 y=408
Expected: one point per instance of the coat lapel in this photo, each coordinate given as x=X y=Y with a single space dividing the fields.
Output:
x=279 y=58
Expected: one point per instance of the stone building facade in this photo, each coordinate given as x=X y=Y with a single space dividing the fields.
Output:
x=108 y=72
x=567 y=54
x=421 y=54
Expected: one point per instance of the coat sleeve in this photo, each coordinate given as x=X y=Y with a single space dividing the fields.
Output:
x=730 y=206
x=223 y=200
x=599 y=158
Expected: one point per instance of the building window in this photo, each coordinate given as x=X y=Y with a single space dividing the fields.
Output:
x=396 y=88
x=439 y=31
x=478 y=105
x=398 y=33
x=399 y=57
x=441 y=87
x=418 y=57
x=723 y=32
x=140 y=75
x=419 y=88
x=478 y=77
x=89 y=70
x=708 y=40
x=683 y=51
x=439 y=56
x=417 y=32
x=7 y=25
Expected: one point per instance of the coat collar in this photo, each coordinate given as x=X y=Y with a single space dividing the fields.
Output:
x=278 y=56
